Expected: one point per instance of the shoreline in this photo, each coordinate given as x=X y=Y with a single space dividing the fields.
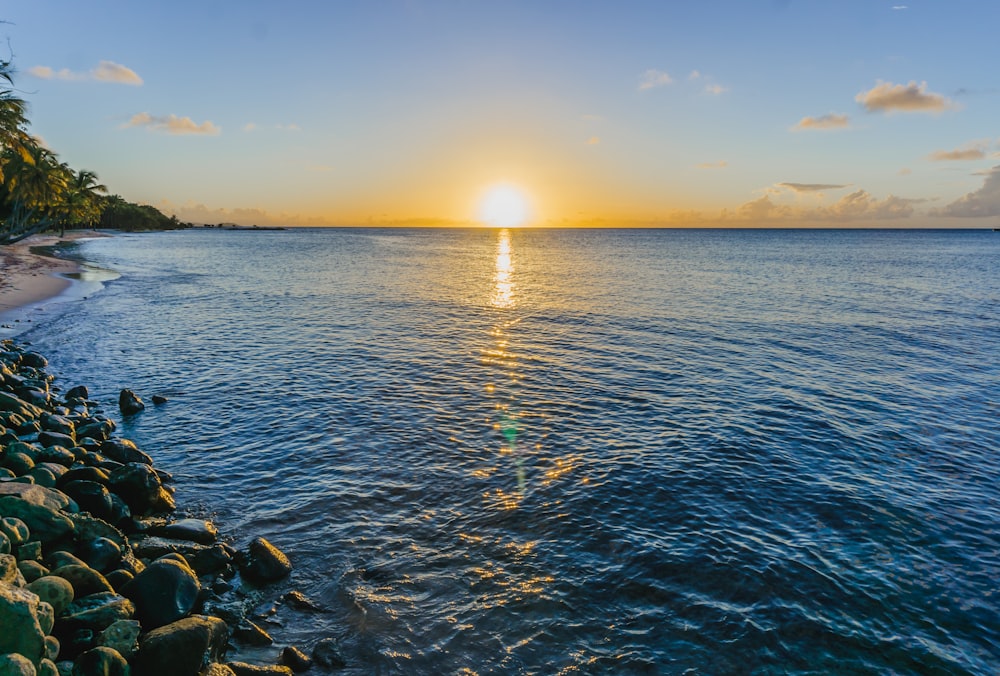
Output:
x=29 y=279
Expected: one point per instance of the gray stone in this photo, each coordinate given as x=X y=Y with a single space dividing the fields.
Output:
x=182 y=648
x=32 y=570
x=57 y=591
x=9 y=572
x=326 y=653
x=47 y=439
x=46 y=524
x=295 y=659
x=196 y=530
x=140 y=487
x=249 y=633
x=20 y=631
x=37 y=495
x=124 y=451
x=96 y=612
x=163 y=593
x=85 y=580
x=8 y=402
x=247 y=669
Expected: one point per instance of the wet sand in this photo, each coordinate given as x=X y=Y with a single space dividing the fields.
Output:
x=27 y=278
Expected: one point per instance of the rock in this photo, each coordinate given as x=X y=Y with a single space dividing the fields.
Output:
x=46 y=524
x=14 y=664
x=85 y=580
x=326 y=653
x=99 y=430
x=163 y=593
x=49 y=668
x=83 y=473
x=118 y=578
x=182 y=648
x=18 y=463
x=265 y=562
x=54 y=590
x=78 y=392
x=59 y=558
x=5 y=547
x=30 y=551
x=124 y=451
x=20 y=630
x=195 y=530
x=123 y=636
x=37 y=495
x=32 y=570
x=46 y=439
x=9 y=573
x=299 y=601
x=96 y=612
x=140 y=487
x=33 y=360
x=246 y=669
x=57 y=423
x=9 y=402
x=51 y=647
x=295 y=659
x=90 y=496
x=159 y=399
x=129 y=403
x=249 y=633
x=100 y=661
x=101 y=554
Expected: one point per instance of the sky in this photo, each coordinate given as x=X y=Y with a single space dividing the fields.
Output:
x=733 y=113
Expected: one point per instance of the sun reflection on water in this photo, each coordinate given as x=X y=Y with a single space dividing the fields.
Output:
x=503 y=282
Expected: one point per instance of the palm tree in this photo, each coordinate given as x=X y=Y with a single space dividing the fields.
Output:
x=13 y=118
x=36 y=184
x=81 y=203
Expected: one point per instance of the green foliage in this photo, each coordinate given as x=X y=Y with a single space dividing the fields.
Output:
x=117 y=214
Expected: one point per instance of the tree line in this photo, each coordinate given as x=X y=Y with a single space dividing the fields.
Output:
x=39 y=193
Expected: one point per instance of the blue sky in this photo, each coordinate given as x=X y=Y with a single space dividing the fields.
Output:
x=758 y=112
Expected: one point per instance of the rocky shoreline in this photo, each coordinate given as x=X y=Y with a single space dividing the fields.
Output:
x=96 y=575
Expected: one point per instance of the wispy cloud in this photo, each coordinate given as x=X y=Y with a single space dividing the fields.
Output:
x=250 y=126
x=886 y=97
x=721 y=164
x=812 y=187
x=594 y=140
x=859 y=205
x=823 y=122
x=288 y=127
x=653 y=78
x=976 y=150
x=171 y=124
x=106 y=71
x=984 y=202
x=898 y=7
x=715 y=89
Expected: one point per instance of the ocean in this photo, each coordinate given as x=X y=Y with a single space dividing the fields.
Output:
x=577 y=451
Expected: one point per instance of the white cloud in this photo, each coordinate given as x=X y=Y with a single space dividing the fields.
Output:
x=857 y=206
x=653 y=78
x=694 y=75
x=984 y=202
x=172 y=124
x=288 y=127
x=910 y=98
x=106 y=71
x=715 y=89
x=823 y=122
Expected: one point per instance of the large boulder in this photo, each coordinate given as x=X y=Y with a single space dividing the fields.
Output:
x=140 y=487
x=9 y=402
x=164 y=592
x=20 y=625
x=96 y=612
x=14 y=664
x=54 y=590
x=182 y=648
x=46 y=524
x=100 y=661
x=124 y=451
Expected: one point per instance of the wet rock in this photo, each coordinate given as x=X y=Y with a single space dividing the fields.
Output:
x=100 y=661
x=299 y=601
x=140 y=487
x=159 y=399
x=32 y=570
x=15 y=664
x=51 y=422
x=123 y=636
x=101 y=554
x=30 y=551
x=295 y=659
x=124 y=451
x=54 y=590
x=20 y=629
x=9 y=573
x=33 y=360
x=9 y=402
x=129 y=403
x=78 y=392
x=265 y=562
x=85 y=580
x=216 y=669
x=182 y=648
x=163 y=593
x=37 y=495
x=195 y=530
x=249 y=633
x=98 y=429
x=326 y=653
x=5 y=547
x=246 y=669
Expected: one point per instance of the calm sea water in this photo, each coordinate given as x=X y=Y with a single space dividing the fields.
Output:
x=580 y=452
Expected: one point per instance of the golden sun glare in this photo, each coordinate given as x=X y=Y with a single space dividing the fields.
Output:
x=504 y=206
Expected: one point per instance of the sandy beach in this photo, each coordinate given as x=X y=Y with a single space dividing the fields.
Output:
x=28 y=278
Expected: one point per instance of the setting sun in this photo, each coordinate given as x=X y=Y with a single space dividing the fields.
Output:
x=503 y=206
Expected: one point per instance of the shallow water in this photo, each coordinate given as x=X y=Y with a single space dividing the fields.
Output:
x=582 y=451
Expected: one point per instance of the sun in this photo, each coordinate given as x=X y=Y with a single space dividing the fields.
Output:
x=504 y=206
